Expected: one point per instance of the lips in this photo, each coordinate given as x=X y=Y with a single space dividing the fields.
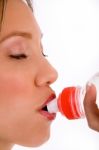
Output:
x=44 y=111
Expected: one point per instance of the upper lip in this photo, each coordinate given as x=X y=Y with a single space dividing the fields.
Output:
x=49 y=99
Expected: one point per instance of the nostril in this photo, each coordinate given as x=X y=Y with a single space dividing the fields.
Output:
x=48 y=82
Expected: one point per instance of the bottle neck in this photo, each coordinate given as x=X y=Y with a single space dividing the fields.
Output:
x=79 y=99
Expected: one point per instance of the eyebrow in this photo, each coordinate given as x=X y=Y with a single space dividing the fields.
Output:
x=18 y=33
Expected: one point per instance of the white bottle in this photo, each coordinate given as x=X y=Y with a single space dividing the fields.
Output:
x=70 y=100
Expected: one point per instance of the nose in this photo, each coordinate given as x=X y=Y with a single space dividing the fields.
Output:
x=46 y=74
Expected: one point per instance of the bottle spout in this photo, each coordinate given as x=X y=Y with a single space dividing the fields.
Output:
x=52 y=106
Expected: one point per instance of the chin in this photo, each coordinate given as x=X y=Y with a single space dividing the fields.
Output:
x=39 y=143
x=36 y=141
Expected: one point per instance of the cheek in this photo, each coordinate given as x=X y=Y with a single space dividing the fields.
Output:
x=9 y=84
x=15 y=106
x=12 y=87
x=19 y=120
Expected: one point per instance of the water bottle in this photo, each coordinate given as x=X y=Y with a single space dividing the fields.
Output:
x=70 y=100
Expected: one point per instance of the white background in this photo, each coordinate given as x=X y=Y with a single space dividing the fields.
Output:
x=71 y=41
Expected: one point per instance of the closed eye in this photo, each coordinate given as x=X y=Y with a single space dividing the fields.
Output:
x=18 y=56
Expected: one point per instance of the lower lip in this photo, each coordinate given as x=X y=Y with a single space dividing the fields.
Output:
x=49 y=116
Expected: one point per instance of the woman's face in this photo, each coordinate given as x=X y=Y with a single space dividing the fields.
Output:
x=25 y=76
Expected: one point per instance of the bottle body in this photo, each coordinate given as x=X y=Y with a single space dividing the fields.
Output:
x=70 y=100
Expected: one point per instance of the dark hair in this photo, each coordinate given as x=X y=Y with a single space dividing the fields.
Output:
x=3 y=6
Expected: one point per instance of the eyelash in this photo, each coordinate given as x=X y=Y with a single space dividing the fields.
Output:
x=23 y=56
x=44 y=54
x=18 y=56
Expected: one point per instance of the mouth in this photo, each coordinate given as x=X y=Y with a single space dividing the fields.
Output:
x=44 y=110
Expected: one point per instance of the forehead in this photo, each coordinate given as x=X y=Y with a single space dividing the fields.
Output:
x=18 y=17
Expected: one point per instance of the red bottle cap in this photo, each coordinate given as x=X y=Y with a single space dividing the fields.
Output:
x=67 y=103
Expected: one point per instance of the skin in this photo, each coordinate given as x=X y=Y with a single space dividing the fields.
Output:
x=91 y=108
x=24 y=81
